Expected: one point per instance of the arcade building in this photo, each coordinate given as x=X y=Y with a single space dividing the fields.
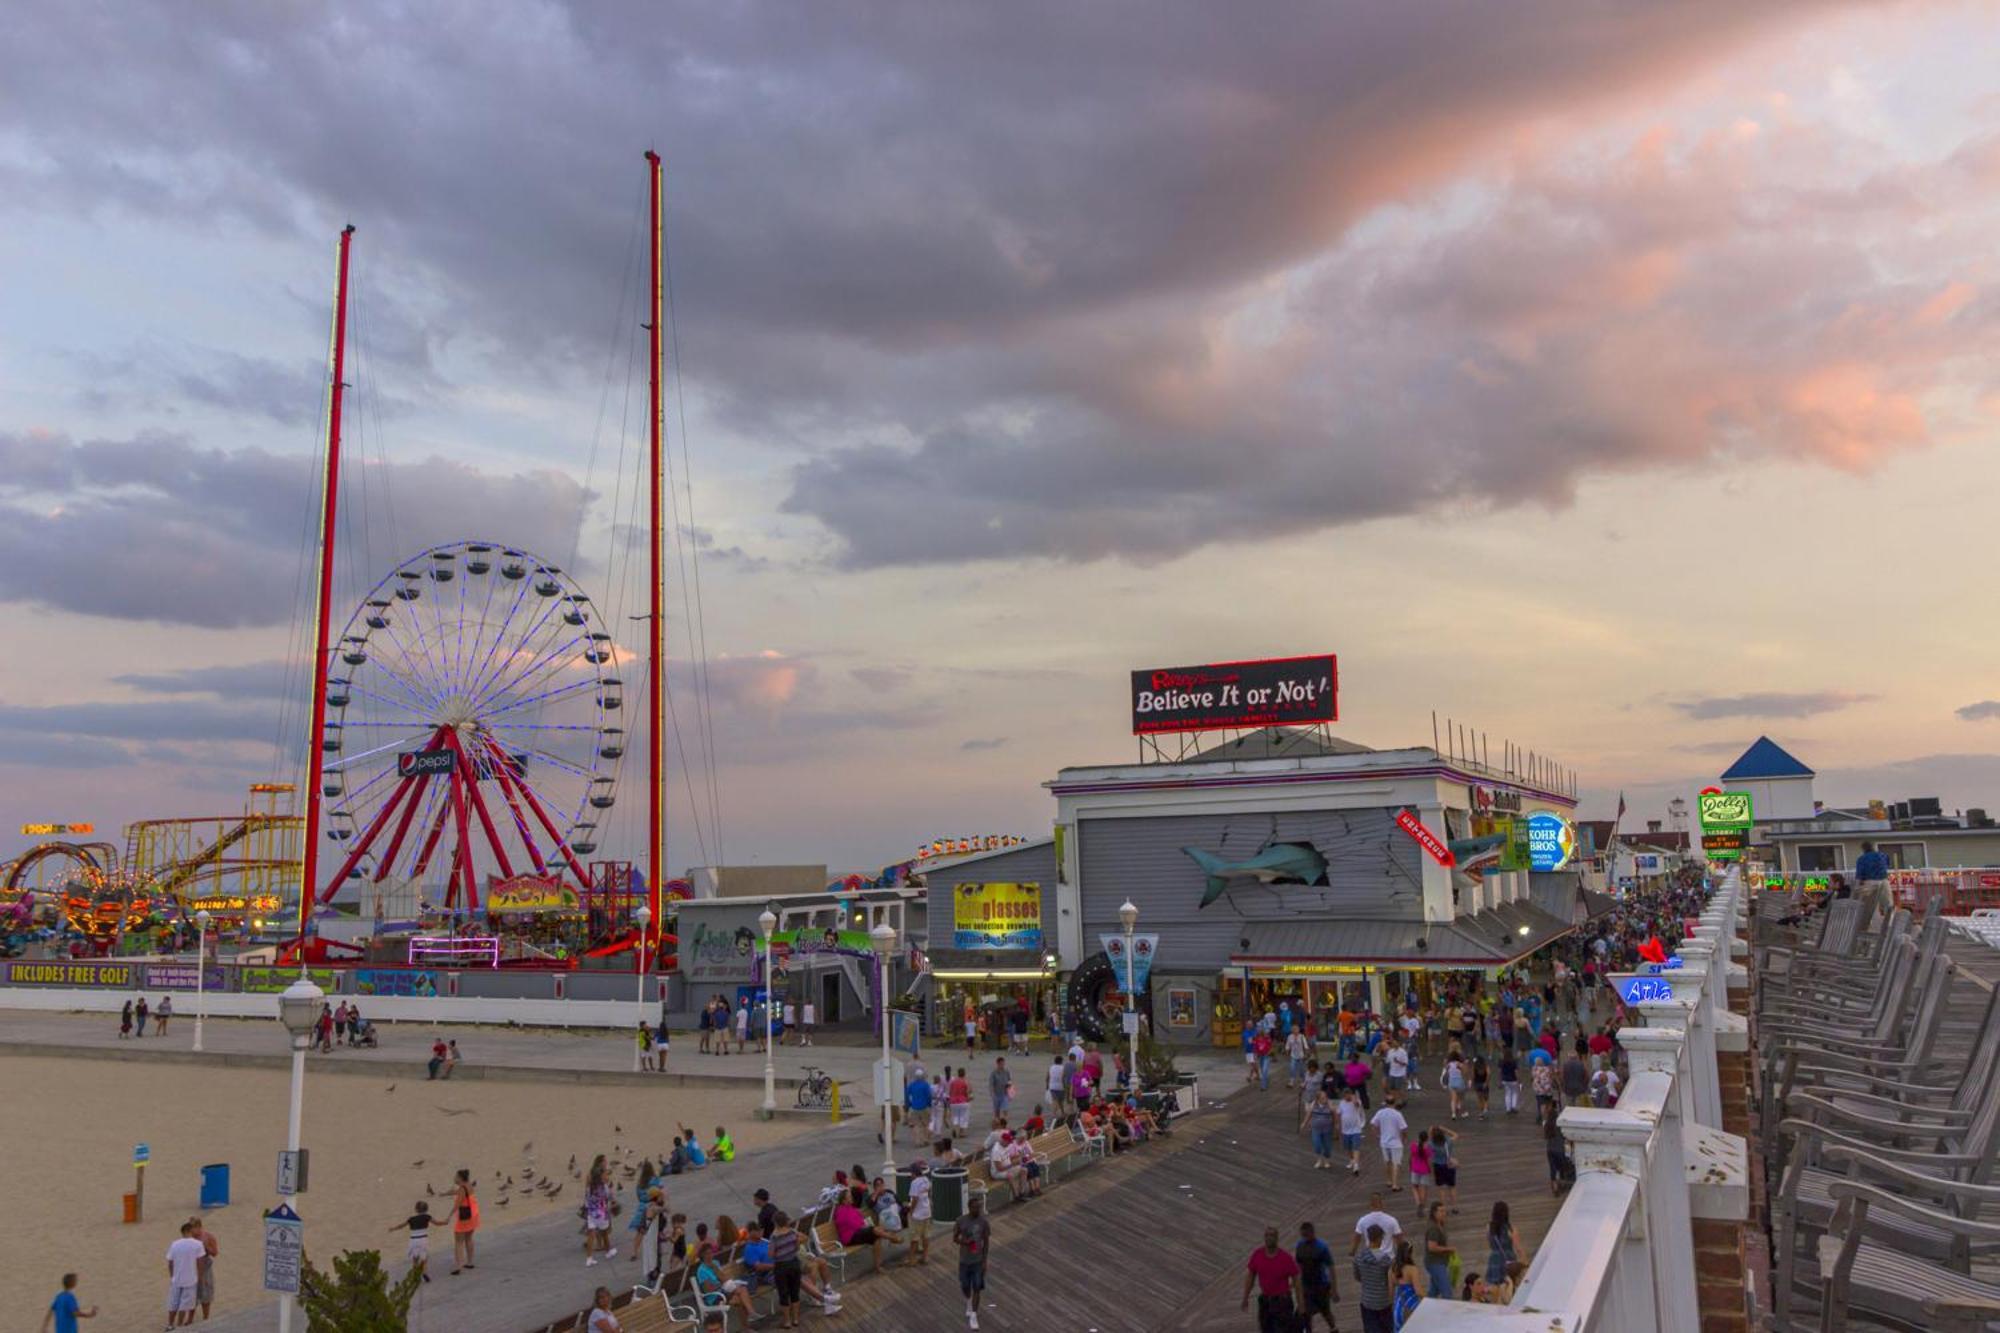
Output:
x=1288 y=863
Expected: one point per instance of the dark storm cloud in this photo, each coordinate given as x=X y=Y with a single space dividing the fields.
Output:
x=155 y=527
x=1984 y=710
x=1773 y=703
x=979 y=265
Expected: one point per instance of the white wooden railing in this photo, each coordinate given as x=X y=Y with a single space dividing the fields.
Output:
x=1620 y=1254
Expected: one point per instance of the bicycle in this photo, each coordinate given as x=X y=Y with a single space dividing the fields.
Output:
x=816 y=1091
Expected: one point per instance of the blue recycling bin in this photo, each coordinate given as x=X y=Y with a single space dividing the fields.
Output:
x=215 y=1185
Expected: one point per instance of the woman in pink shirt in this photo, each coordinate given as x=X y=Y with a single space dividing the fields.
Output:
x=1357 y=1074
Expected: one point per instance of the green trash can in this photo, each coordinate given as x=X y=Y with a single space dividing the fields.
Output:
x=947 y=1194
x=903 y=1178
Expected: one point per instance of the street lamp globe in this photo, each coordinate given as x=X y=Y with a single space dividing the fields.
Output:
x=767 y=922
x=201 y=919
x=1128 y=915
x=299 y=1006
x=883 y=937
x=644 y=916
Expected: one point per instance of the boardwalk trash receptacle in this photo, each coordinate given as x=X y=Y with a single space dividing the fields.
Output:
x=947 y=1194
x=215 y=1185
x=903 y=1178
x=131 y=1208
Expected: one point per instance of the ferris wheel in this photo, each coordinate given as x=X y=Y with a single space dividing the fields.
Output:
x=473 y=723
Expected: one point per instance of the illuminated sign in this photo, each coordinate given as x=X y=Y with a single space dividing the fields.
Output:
x=55 y=830
x=1551 y=841
x=271 y=980
x=1645 y=990
x=531 y=893
x=1486 y=800
x=1724 y=809
x=263 y=902
x=986 y=842
x=1306 y=970
x=482 y=950
x=1408 y=822
x=1283 y=692
x=996 y=916
x=1726 y=844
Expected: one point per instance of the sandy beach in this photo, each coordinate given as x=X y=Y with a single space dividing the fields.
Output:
x=374 y=1150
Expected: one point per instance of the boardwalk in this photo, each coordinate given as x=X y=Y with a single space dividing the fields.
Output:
x=1156 y=1240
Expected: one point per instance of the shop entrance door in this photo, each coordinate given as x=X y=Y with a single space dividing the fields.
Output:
x=829 y=997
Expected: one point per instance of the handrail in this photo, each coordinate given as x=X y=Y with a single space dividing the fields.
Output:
x=1620 y=1253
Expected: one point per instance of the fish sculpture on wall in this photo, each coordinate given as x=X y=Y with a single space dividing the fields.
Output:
x=1277 y=863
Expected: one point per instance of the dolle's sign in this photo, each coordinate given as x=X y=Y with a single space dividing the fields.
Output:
x=1285 y=691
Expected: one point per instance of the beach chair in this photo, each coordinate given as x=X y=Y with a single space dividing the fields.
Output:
x=1858 y=1270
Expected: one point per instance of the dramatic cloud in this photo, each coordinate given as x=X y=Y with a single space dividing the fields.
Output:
x=1025 y=282
x=1984 y=710
x=155 y=527
x=1770 y=704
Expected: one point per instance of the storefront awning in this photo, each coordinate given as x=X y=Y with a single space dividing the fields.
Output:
x=1493 y=938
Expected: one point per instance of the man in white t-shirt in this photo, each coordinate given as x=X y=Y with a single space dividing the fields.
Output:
x=1353 y=1120
x=1376 y=1216
x=184 y=1258
x=1390 y=1127
x=807 y=1017
x=1058 y=1085
x=1399 y=1065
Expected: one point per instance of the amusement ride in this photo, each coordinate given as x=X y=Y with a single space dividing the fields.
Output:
x=466 y=735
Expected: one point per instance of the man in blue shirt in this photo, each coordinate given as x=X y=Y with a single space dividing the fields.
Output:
x=64 y=1310
x=917 y=1105
x=757 y=1257
x=1871 y=868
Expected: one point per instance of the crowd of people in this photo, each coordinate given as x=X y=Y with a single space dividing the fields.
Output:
x=747 y=1025
x=1552 y=1025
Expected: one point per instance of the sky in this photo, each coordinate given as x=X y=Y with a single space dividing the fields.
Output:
x=1624 y=391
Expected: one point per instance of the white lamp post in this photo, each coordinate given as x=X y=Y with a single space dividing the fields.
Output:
x=1129 y=916
x=644 y=916
x=767 y=921
x=883 y=937
x=201 y=920
x=298 y=1010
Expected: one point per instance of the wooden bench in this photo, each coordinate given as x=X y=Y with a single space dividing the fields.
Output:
x=1057 y=1145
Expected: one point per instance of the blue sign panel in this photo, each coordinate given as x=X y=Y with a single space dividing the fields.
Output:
x=1551 y=841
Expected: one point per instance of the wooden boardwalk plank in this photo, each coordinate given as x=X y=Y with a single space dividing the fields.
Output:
x=1124 y=1247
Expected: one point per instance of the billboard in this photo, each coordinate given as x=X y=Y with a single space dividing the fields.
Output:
x=996 y=916
x=184 y=976
x=123 y=976
x=1284 y=691
x=421 y=983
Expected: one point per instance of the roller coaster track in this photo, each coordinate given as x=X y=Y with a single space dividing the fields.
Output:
x=90 y=855
x=176 y=876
